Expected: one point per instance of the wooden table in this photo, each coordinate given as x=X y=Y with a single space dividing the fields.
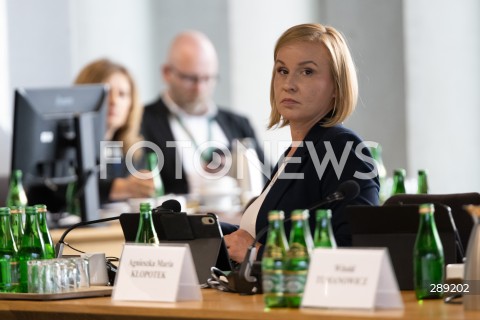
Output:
x=217 y=305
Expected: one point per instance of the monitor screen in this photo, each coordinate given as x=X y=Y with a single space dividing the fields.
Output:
x=56 y=141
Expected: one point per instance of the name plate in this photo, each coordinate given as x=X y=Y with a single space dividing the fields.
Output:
x=351 y=278
x=156 y=273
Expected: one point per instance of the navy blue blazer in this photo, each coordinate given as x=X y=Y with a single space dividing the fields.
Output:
x=321 y=179
x=156 y=128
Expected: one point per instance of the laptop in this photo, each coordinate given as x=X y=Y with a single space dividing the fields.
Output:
x=395 y=227
x=201 y=232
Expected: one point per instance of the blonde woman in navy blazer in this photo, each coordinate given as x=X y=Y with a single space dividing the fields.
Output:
x=313 y=90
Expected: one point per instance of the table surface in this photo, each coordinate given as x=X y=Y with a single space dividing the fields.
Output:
x=217 y=305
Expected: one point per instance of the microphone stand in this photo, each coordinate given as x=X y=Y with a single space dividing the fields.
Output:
x=61 y=244
x=169 y=206
x=111 y=268
x=243 y=280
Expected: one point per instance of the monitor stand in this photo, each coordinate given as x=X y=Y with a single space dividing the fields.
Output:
x=87 y=166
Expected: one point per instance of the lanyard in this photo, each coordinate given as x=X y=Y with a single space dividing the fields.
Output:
x=207 y=153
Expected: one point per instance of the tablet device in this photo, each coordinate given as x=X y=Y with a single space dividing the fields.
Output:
x=201 y=232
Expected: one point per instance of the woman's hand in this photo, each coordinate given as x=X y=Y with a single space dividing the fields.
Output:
x=131 y=187
x=237 y=244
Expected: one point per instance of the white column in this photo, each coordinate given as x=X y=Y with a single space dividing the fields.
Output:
x=255 y=27
x=5 y=95
x=443 y=96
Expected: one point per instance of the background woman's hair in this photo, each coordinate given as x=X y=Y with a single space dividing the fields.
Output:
x=99 y=71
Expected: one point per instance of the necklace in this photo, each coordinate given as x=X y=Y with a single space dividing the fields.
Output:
x=207 y=153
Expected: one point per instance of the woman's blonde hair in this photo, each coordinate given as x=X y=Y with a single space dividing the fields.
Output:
x=341 y=66
x=98 y=72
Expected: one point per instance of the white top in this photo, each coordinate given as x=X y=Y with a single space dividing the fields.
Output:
x=198 y=126
x=249 y=218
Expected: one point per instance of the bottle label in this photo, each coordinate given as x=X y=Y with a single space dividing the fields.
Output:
x=297 y=250
x=273 y=281
x=295 y=281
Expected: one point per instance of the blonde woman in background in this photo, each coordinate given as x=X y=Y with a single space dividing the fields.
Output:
x=123 y=124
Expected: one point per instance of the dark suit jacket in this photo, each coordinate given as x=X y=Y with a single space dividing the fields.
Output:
x=156 y=128
x=291 y=194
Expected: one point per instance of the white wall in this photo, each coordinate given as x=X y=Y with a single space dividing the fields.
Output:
x=374 y=32
x=116 y=29
x=39 y=42
x=5 y=101
x=443 y=96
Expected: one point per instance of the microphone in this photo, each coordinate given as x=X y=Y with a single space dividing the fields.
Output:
x=168 y=206
x=244 y=281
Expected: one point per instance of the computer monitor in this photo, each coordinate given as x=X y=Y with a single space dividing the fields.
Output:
x=56 y=141
x=395 y=227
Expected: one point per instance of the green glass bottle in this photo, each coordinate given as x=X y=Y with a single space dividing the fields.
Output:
x=152 y=161
x=31 y=247
x=296 y=261
x=398 y=181
x=306 y=229
x=72 y=199
x=422 y=182
x=146 y=231
x=323 y=237
x=45 y=232
x=428 y=258
x=16 y=194
x=8 y=254
x=273 y=261
x=17 y=217
x=381 y=171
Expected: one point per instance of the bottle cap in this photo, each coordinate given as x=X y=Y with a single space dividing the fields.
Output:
x=41 y=208
x=30 y=210
x=275 y=215
x=400 y=171
x=299 y=214
x=323 y=213
x=14 y=210
x=426 y=208
x=145 y=206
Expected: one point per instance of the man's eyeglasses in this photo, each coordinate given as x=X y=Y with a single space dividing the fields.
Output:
x=191 y=79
